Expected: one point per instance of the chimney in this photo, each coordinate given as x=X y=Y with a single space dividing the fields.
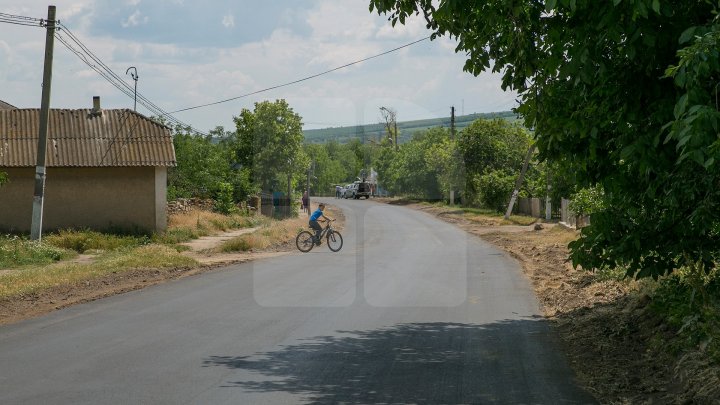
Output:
x=96 y=110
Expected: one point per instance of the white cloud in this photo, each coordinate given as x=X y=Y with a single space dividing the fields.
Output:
x=135 y=19
x=420 y=81
x=228 y=21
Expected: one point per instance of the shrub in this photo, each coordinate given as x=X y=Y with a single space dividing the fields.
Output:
x=16 y=251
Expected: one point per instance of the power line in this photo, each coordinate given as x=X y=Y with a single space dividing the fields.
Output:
x=21 y=20
x=94 y=62
x=303 y=79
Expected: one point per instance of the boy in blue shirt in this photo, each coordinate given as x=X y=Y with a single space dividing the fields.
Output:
x=314 y=224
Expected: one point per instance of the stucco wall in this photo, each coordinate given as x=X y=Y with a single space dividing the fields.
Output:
x=96 y=198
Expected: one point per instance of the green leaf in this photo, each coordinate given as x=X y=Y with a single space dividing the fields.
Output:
x=680 y=106
x=687 y=35
x=709 y=162
x=550 y=5
x=656 y=6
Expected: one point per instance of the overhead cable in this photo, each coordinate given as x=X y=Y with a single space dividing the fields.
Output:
x=301 y=80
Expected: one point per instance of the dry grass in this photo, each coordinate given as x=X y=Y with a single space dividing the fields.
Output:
x=196 y=223
x=31 y=279
x=270 y=234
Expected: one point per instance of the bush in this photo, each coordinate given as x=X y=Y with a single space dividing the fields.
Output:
x=224 y=202
x=15 y=251
x=692 y=310
x=494 y=189
x=587 y=201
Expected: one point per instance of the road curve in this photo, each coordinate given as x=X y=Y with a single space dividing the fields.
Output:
x=411 y=311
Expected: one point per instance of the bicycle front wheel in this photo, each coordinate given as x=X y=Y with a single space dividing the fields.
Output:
x=334 y=241
x=305 y=241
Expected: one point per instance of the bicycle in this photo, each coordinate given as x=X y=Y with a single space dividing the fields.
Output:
x=305 y=240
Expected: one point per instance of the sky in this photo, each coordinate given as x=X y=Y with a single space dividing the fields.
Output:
x=189 y=53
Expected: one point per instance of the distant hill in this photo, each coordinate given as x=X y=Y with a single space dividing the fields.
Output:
x=405 y=128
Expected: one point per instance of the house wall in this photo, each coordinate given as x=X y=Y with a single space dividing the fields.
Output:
x=95 y=198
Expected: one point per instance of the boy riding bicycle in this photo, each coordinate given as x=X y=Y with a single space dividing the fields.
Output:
x=314 y=224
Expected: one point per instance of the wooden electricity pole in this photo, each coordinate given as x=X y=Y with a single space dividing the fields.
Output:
x=37 y=212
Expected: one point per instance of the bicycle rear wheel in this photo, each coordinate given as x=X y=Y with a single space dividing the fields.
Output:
x=334 y=241
x=305 y=241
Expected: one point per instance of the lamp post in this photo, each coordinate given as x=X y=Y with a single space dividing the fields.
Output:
x=135 y=77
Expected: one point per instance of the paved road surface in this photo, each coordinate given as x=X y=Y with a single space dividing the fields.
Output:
x=411 y=311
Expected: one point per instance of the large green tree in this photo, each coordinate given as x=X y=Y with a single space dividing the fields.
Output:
x=493 y=152
x=269 y=141
x=202 y=165
x=623 y=90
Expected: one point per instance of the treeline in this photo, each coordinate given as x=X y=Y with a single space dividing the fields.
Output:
x=375 y=132
x=266 y=153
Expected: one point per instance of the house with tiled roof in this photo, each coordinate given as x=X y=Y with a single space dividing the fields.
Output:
x=106 y=169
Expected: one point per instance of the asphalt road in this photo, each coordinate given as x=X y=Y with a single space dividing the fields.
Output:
x=410 y=311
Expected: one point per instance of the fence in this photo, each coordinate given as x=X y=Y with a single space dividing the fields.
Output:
x=536 y=207
x=275 y=206
x=569 y=217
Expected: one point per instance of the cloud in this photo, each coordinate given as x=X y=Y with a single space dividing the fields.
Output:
x=134 y=19
x=228 y=21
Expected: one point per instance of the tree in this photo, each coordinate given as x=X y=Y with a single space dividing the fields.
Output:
x=3 y=178
x=201 y=167
x=493 y=152
x=624 y=90
x=269 y=141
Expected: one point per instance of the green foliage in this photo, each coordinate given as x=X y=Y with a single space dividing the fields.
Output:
x=3 y=178
x=16 y=251
x=624 y=93
x=201 y=166
x=493 y=153
x=81 y=241
x=587 y=201
x=695 y=320
x=445 y=157
x=224 y=202
x=268 y=142
x=493 y=189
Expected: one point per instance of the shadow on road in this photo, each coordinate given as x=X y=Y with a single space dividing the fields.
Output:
x=419 y=363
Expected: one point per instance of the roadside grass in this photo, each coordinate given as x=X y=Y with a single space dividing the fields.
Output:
x=271 y=233
x=84 y=240
x=196 y=223
x=483 y=216
x=16 y=252
x=33 y=279
x=36 y=266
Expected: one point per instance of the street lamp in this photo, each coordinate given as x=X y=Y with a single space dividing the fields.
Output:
x=135 y=77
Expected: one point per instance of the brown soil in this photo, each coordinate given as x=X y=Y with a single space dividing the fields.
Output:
x=602 y=324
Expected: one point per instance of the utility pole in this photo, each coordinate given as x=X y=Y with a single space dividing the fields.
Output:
x=452 y=136
x=518 y=182
x=135 y=77
x=452 y=122
x=38 y=197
